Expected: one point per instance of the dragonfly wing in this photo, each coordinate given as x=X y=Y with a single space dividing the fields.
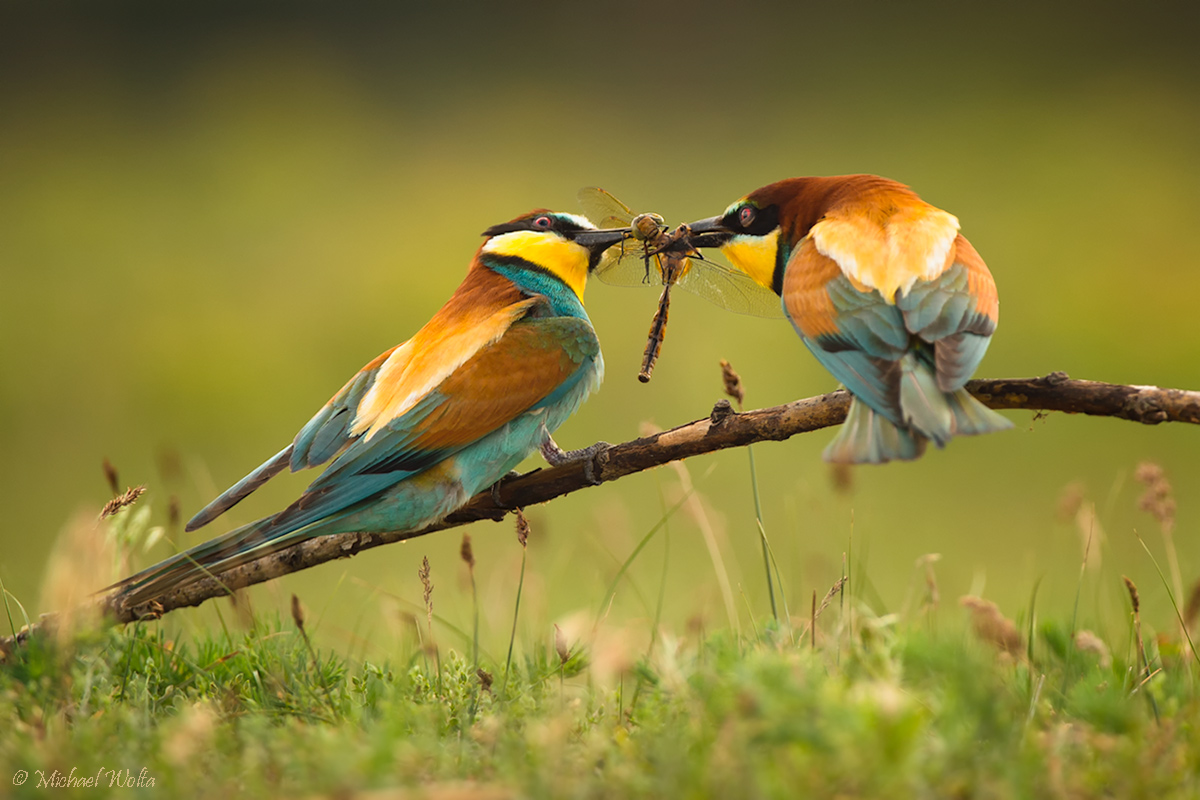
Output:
x=730 y=289
x=604 y=210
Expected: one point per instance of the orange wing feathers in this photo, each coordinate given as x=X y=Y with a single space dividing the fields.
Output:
x=804 y=294
x=496 y=385
x=482 y=309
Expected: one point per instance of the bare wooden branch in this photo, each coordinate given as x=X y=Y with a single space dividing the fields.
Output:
x=723 y=428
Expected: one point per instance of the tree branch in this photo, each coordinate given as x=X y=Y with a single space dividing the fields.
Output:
x=722 y=429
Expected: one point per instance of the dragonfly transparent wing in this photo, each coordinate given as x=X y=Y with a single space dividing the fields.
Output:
x=729 y=288
x=604 y=210
x=623 y=264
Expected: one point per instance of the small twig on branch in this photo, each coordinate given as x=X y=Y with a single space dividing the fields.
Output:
x=723 y=429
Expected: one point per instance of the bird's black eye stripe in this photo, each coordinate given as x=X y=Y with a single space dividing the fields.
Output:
x=751 y=220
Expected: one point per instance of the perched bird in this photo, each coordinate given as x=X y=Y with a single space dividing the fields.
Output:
x=884 y=291
x=429 y=423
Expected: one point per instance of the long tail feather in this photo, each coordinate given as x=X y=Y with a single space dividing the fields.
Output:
x=972 y=417
x=924 y=405
x=241 y=490
x=866 y=437
x=211 y=558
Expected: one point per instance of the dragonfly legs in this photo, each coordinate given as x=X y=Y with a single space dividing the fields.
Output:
x=557 y=457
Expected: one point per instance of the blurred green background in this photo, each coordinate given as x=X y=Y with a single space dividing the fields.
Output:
x=211 y=217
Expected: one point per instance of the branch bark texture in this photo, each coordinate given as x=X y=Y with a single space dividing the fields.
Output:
x=722 y=429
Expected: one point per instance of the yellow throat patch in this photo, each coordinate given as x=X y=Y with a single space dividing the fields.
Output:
x=755 y=256
x=550 y=251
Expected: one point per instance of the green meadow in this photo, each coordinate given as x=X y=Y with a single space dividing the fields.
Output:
x=211 y=217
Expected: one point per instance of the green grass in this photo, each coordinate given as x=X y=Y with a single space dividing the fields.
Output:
x=889 y=710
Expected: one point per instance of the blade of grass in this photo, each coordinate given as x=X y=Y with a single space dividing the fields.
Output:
x=612 y=589
x=762 y=532
x=516 y=611
x=8 y=610
x=1170 y=594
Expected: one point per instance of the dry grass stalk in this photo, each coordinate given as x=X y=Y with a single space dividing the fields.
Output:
x=423 y=574
x=1136 y=603
x=522 y=528
x=817 y=610
x=173 y=512
x=298 y=618
x=1133 y=594
x=297 y=613
x=121 y=501
x=992 y=626
x=733 y=383
x=80 y=560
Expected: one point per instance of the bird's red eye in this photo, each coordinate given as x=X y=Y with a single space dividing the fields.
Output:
x=746 y=216
x=543 y=222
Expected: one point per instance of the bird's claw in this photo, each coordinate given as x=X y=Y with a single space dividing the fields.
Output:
x=496 y=488
x=557 y=457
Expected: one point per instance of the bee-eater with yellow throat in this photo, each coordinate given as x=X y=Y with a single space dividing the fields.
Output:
x=423 y=427
x=884 y=291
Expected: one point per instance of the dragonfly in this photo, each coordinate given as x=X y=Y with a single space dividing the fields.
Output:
x=653 y=256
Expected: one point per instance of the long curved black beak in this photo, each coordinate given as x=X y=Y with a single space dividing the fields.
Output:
x=600 y=240
x=709 y=232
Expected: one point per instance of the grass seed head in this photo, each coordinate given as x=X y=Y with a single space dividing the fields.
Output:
x=1157 y=499
x=992 y=626
x=121 y=501
x=297 y=612
x=468 y=555
x=110 y=475
x=423 y=574
x=1133 y=594
x=733 y=383
x=522 y=528
x=173 y=514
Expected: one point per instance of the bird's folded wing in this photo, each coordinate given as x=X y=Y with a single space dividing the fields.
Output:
x=856 y=335
x=957 y=312
x=387 y=387
x=536 y=361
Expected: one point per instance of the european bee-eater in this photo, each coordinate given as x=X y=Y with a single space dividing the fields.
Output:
x=884 y=291
x=429 y=423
